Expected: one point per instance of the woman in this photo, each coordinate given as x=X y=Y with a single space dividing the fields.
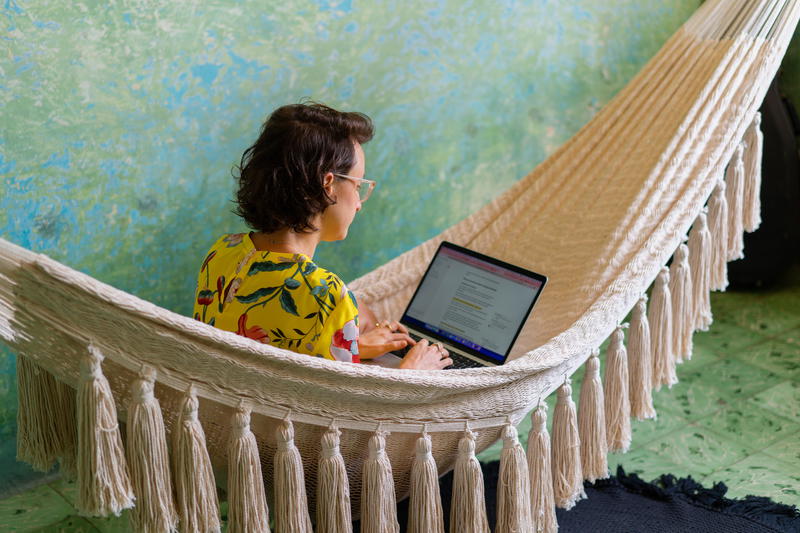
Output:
x=301 y=183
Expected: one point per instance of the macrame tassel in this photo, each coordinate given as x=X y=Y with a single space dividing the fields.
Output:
x=543 y=508
x=718 y=226
x=247 y=505
x=680 y=288
x=103 y=484
x=148 y=460
x=468 y=509
x=425 y=507
x=660 y=317
x=735 y=197
x=378 y=507
x=333 y=489
x=566 y=457
x=754 y=140
x=640 y=361
x=700 y=267
x=592 y=423
x=195 y=490
x=39 y=441
x=513 y=486
x=291 y=505
x=617 y=401
x=65 y=413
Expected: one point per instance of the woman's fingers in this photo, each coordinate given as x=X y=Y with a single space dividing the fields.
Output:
x=444 y=363
x=402 y=337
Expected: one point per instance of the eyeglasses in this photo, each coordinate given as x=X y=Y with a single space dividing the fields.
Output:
x=363 y=186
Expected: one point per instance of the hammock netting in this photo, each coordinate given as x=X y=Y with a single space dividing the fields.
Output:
x=601 y=217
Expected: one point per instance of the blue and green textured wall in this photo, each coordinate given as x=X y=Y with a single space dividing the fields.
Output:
x=121 y=122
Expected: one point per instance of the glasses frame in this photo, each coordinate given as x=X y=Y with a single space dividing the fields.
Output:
x=370 y=185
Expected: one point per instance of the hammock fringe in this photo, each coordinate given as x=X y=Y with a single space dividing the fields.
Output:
x=468 y=508
x=566 y=461
x=735 y=197
x=104 y=487
x=700 y=250
x=754 y=141
x=641 y=363
x=617 y=400
x=195 y=490
x=680 y=289
x=592 y=422
x=333 y=490
x=39 y=439
x=247 y=504
x=378 y=509
x=148 y=460
x=718 y=222
x=543 y=508
x=425 y=506
x=659 y=317
x=513 y=485
x=291 y=504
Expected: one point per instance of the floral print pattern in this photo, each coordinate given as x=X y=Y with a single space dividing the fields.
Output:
x=277 y=298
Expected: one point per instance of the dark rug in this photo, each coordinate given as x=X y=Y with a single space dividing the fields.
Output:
x=626 y=504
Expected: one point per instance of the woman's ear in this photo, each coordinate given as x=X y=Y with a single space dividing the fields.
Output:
x=327 y=184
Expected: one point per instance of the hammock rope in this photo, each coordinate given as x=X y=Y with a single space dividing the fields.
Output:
x=601 y=216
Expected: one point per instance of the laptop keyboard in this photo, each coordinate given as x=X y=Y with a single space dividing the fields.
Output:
x=459 y=361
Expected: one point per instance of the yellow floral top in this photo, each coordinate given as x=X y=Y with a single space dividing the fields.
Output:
x=282 y=299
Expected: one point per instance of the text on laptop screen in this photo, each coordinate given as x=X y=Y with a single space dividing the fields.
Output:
x=472 y=302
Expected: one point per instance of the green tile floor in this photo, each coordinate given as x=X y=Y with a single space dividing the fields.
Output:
x=734 y=416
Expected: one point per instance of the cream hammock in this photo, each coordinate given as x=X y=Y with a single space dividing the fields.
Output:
x=601 y=217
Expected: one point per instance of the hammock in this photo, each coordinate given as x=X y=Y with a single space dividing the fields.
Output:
x=601 y=217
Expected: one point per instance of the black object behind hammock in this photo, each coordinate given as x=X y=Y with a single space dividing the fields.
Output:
x=774 y=247
x=626 y=504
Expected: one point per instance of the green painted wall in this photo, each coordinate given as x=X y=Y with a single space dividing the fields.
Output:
x=121 y=121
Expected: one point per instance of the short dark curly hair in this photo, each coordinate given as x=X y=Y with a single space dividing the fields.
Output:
x=281 y=176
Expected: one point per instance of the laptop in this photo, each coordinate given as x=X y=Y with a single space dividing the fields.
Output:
x=475 y=305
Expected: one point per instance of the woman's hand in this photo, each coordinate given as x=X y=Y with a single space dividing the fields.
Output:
x=381 y=339
x=426 y=356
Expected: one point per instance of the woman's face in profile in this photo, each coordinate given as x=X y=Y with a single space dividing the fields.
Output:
x=336 y=219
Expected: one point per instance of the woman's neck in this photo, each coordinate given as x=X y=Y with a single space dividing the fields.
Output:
x=286 y=241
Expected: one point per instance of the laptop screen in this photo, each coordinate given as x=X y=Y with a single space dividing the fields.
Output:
x=474 y=301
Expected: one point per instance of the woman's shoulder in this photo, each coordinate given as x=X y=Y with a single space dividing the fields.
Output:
x=324 y=282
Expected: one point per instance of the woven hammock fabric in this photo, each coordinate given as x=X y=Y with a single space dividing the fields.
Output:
x=600 y=217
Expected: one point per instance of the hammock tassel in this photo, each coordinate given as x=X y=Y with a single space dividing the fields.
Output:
x=195 y=490
x=378 y=507
x=752 y=180
x=735 y=197
x=39 y=440
x=660 y=315
x=333 y=489
x=566 y=457
x=641 y=363
x=513 y=486
x=617 y=401
x=424 y=508
x=291 y=504
x=148 y=460
x=543 y=509
x=592 y=423
x=718 y=226
x=680 y=288
x=468 y=510
x=66 y=414
x=104 y=487
x=247 y=505
x=700 y=272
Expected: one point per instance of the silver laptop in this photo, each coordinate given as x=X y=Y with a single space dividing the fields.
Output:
x=473 y=304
